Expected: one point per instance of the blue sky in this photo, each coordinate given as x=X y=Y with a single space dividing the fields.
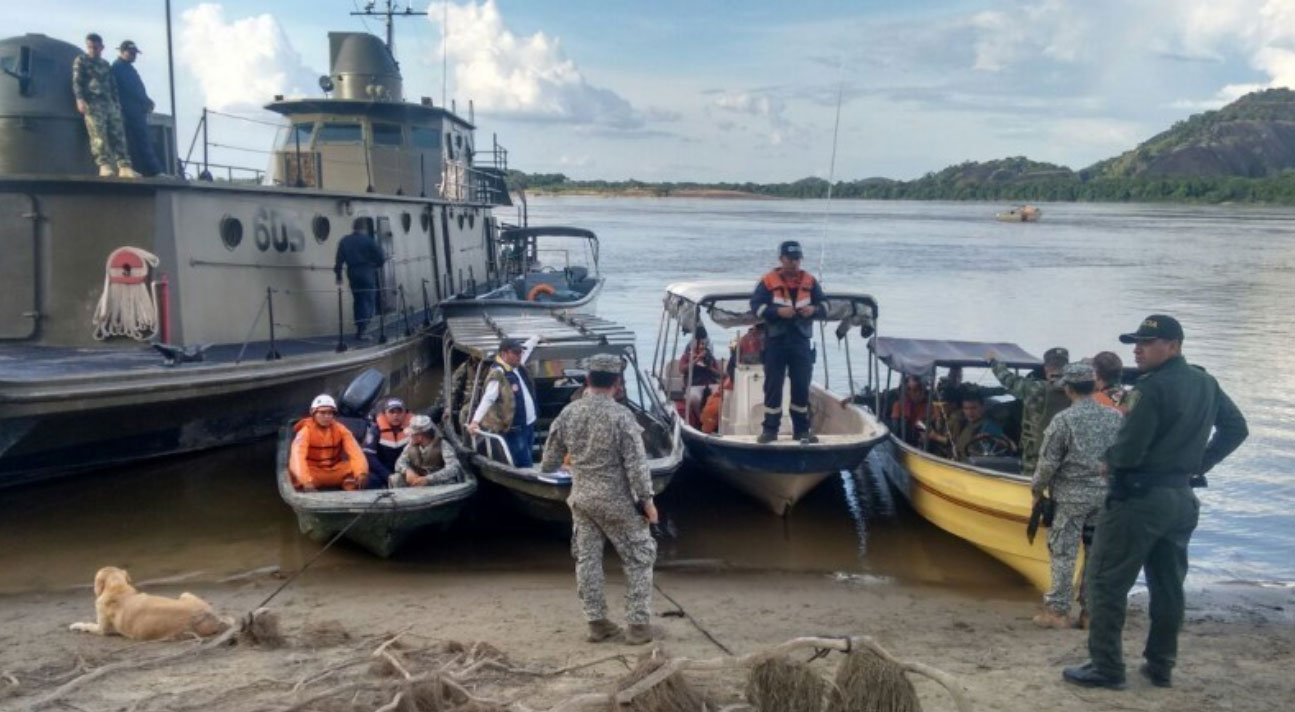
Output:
x=739 y=91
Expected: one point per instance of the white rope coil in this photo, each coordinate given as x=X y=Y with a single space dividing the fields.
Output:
x=127 y=309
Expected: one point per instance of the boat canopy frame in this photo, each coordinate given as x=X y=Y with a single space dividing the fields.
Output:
x=527 y=238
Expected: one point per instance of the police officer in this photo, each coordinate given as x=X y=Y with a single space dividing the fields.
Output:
x=135 y=108
x=360 y=254
x=1163 y=449
x=508 y=405
x=96 y=97
x=788 y=299
x=1070 y=473
x=1042 y=400
x=611 y=499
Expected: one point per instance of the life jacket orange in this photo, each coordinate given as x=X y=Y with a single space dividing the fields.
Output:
x=710 y=413
x=793 y=292
x=326 y=457
x=389 y=435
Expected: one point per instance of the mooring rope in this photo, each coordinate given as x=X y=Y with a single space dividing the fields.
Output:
x=692 y=620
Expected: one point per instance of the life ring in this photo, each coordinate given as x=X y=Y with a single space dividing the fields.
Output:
x=539 y=289
x=126 y=266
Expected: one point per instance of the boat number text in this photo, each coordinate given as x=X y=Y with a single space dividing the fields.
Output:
x=275 y=230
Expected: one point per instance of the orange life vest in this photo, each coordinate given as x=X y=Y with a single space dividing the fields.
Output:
x=391 y=436
x=794 y=291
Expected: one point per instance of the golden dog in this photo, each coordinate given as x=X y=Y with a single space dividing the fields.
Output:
x=121 y=610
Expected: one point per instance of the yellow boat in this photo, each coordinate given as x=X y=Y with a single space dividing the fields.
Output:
x=981 y=497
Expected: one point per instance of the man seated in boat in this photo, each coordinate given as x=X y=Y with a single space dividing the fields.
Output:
x=701 y=372
x=748 y=350
x=908 y=413
x=325 y=455
x=422 y=463
x=971 y=425
x=384 y=440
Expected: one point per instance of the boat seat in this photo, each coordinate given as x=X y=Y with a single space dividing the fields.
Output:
x=997 y=463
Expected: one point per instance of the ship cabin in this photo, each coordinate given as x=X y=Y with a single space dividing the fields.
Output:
x=365 y=137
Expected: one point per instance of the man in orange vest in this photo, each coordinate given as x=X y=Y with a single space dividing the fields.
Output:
x=325 y=454
x=788 y=299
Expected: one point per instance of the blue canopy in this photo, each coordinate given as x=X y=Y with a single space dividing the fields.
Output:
x=918 y=357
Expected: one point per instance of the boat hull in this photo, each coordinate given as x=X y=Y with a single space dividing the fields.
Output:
x=55 y=427
x=988 y=509
x=587 y=304
x=777 y=474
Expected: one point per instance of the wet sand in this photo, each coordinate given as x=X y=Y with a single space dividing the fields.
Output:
x=1232 y=658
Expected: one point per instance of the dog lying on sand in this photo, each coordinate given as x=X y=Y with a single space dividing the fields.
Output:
x=122 y=610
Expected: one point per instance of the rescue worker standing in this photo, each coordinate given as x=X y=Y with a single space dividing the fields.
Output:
x=507 y=405
x=360 y=254
x=135 y=108
x=611 y=499
x=96 y=97
x=1163 y=449
x=1070 y=473
x=788 y=299
x=1042 y=400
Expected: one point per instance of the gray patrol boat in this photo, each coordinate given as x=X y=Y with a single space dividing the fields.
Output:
x=141 y=318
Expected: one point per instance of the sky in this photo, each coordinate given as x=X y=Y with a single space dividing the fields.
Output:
x=720 y=90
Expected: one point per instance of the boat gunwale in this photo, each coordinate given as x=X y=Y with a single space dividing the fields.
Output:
x=460 y=307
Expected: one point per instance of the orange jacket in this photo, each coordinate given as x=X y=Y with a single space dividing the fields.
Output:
x=710 y=413
x=326 y=457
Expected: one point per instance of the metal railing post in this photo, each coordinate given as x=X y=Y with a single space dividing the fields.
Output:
x=206 y=170
x=273 y=354
x=296 y=136
x=404 y=309
x=427 y=306
x=382 y=324
x=341 y=323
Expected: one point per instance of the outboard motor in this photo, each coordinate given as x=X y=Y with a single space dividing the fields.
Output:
x=358 y=398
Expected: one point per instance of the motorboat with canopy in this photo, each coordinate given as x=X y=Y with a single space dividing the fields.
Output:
x=978 y=494
x=556 y=366
x=779 y=473
x=540 y=268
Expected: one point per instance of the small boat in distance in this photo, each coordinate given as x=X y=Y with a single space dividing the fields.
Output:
x=557 y=371
x=1021 y=213
x=779 y=473
x=539 y=269
x=981 y=497
x=387 y=517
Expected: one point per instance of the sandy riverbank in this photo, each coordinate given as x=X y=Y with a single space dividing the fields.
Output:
x=1238 y=648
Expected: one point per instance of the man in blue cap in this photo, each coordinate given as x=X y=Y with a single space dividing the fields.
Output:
x=1180 y=424
x=135 y=108
x=788 y=299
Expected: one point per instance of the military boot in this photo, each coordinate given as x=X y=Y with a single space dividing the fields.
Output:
x=806 y=438
x=766 y=437
x=106 y=172
x=639 y=634
x=126 y=172
x=602 y=630
x=1048 y=618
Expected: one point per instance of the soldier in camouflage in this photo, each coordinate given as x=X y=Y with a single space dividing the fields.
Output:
x=611 y=499
x=1043 y=399
x=96 y=97
x=1070 y=472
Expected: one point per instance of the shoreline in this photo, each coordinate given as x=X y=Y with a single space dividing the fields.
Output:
x=1237 y=645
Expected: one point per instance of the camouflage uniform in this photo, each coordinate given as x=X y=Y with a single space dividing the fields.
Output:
x=1042 y=399
x=609 y=474
x=426 y=460
x=92 y=82
x=1070 y=468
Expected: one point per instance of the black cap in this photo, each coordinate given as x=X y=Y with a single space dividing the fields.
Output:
x=790 y=248
x=510 y=344
x=1056 y=356
x=1156 y=326
x=128 y=44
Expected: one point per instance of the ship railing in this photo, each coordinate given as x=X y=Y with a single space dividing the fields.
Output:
x=392 y=313
x=201 y=170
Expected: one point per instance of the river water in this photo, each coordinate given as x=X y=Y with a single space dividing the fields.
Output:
x=939 y=270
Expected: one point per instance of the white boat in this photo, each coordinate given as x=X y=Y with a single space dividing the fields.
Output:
x=539 y=269
x=779 y=473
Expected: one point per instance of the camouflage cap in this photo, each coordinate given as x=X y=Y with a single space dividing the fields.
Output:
x=1056 y=356
x=419 y=424
x=1077 y=373
x=604 y=363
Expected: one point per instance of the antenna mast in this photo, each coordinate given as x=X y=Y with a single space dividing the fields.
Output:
x=393 y=11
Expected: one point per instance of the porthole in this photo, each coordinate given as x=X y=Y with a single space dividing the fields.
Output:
x=425 y=219
x=321 y=227
x=231 y=232
x=406 y=221
x=460 y=221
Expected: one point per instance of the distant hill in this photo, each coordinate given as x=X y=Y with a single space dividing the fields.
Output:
x=1242 y=152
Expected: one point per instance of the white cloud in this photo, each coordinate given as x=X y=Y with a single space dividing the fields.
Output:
x=523 y=77
x=240 y=64
x=762 y=105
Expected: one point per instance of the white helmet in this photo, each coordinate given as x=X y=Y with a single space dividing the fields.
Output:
x=324 y=401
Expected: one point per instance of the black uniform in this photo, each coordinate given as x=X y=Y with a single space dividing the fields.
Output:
x=362 y=257
x=135 y=106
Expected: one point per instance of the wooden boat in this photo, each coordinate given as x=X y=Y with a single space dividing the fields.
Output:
x=540 y=269
x=387 y=517
x=1023 y=213
x=556 y=369
x=984 y=499
x=779 y=473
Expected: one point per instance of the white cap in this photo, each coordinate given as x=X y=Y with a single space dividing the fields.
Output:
x=324 y=401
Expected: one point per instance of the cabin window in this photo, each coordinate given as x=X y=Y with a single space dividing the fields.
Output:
x=340 y=133
x=295 y=133
x=388 y=135
x=321 y=227
x=231 y=232
x=424 y=137
x=406 y=221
